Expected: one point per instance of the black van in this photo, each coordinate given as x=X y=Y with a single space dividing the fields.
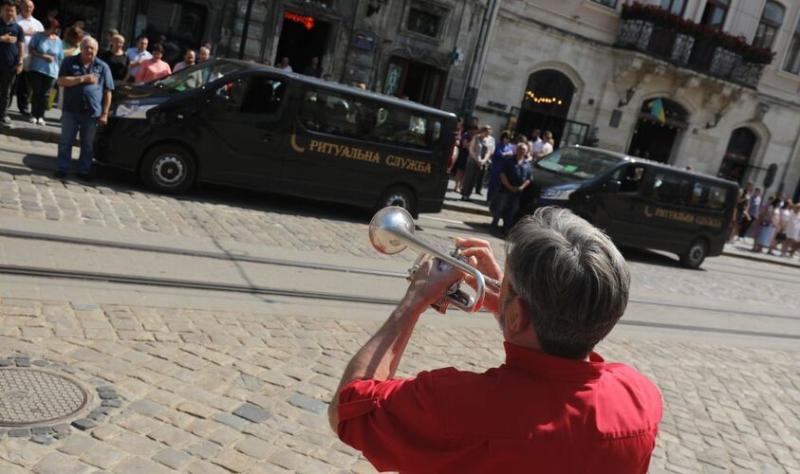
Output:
x=246 y=125
x=639 y=203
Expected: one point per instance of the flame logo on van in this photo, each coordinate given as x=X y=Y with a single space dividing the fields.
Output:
x=295 y=146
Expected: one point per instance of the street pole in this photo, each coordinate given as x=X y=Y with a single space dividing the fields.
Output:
x=478 y=59
x=246 y=27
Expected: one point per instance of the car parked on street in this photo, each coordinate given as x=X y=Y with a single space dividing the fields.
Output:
x=245 y=125
x=638 y=202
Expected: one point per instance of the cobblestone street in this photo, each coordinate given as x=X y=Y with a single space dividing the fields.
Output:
x=228 y=383
x=182 y=374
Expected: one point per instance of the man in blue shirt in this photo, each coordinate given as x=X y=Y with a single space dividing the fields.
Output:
x=515 y=176
x=87 y=84
x=12 y=44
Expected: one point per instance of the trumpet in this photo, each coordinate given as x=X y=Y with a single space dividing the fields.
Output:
x=392 y=230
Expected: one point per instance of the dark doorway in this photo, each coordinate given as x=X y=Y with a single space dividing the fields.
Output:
x=546 y=104
x=415 y=81
x=177 y=25
x=302 y=38
x=90 y=12
x=737 y=156
x=660 y=122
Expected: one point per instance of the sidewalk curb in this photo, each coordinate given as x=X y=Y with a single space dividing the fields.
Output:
x=464 y=208
x=34 y=134
x=755 y=258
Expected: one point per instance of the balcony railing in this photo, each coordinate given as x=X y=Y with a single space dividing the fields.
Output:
x=686 y=49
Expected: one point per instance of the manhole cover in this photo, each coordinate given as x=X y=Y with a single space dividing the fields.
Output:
x=31 y=396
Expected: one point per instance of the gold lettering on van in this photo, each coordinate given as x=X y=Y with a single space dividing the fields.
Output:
x=344 y=151
x=409 y=164
x=360 y=154
x=682 y=216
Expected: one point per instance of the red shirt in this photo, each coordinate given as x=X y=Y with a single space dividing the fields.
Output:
x=535 y=413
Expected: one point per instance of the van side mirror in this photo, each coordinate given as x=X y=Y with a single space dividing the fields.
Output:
x=612 y=186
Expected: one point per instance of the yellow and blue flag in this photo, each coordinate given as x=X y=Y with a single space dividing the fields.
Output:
x=657 y=110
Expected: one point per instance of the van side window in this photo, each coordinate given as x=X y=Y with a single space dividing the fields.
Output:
x=264 y=95
x=339 y=114
x=397 y=126
x=708 y=196
x=632 y=179
x=670 y=189
x=328 y=112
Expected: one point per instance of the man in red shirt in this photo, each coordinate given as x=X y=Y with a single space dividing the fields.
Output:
x=554 y=406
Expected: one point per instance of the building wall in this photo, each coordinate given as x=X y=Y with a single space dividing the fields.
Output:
x=576 y=38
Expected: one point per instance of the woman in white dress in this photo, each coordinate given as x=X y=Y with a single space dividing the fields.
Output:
x=768 y=220
x=792 y=229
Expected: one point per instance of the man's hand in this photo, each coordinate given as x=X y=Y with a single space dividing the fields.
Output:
x=103 y=120
x=482 y=257
x=89 y=79
x=429 y=284
x=48 y=57
x=19 y=69
x=8 y=38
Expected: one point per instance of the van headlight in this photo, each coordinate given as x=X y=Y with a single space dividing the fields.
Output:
x=133 y=111
x=558 y=193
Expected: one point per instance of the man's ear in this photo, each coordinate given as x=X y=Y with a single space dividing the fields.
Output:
x=517 y=320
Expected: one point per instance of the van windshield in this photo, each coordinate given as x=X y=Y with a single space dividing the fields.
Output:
x=579 y=163
x=196 y=76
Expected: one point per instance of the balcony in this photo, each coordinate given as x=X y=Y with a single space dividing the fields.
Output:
x=658 y=33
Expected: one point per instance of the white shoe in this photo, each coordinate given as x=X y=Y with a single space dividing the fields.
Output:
x=33 y=120
x=41 y=121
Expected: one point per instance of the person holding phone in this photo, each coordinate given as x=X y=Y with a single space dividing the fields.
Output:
x=87 y=83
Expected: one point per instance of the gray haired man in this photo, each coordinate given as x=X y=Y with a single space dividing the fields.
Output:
x=87 y=83
x=554 y=406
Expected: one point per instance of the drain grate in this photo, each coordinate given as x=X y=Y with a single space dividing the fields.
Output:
x=31 y=396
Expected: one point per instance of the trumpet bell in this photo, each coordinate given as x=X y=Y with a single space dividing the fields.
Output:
x=387 y=228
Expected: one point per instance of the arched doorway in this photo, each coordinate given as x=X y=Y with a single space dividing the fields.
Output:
x=737 y=156
x=545 y=106
x=660 y=122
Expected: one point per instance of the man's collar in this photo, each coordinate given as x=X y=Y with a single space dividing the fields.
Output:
x=559 y=368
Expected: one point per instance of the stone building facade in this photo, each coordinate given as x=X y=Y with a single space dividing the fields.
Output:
x=582 y=70
x=427 y=50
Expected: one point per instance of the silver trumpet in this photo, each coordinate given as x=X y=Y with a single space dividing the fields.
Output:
x=392 y=230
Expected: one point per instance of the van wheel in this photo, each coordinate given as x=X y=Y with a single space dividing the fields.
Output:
x=694 y=257
x=400 y=196
x=168 y=169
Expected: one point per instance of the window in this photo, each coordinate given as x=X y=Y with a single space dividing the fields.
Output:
x=607 y=3
x=708 y=196
x=264 y=95
x=403 y=127
x=792 y=63
x=632 y=179
x=423 y=22
x=670 y=189
x=197 y=76
x=715 y=13
x=328 y=112
x=771 y=20
x=182 y=25
x=676 y=7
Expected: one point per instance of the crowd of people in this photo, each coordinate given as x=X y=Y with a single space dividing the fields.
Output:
x=505 y=168
x=773 y=222
x=32 y=53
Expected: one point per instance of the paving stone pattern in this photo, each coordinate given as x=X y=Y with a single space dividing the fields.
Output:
x=243 y=392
